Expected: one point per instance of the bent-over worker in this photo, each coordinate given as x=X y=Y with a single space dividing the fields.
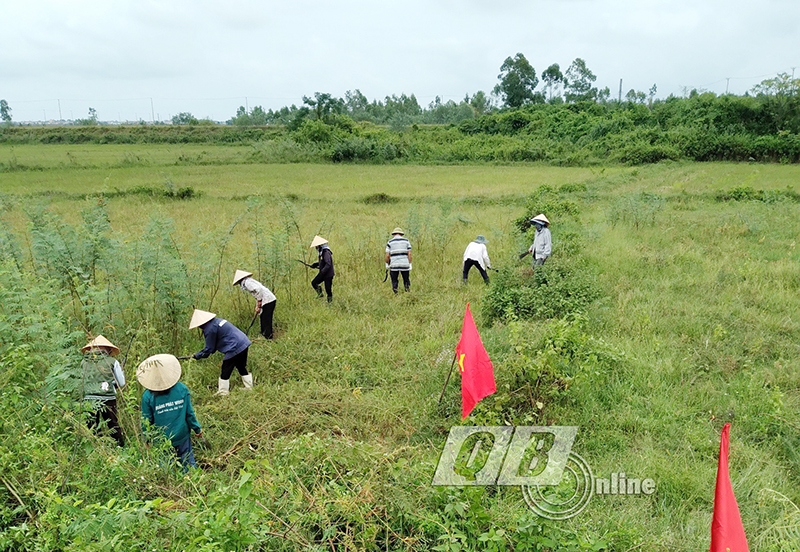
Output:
x=476 y=255
x=167 y=404
x=265 y=299
x=222 y=336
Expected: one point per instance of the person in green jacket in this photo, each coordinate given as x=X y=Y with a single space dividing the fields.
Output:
x=167 y=404
x=102 y=375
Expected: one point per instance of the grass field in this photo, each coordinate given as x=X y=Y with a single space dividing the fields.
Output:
x=694 y=324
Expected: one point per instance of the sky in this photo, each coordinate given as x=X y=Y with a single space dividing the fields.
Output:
x=134 y=60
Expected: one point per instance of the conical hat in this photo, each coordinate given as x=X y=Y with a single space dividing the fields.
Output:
x=100 y=341
x=159 y=372
x=200 y=317
x=541 y=218
x=318 y=240
x=239 y=276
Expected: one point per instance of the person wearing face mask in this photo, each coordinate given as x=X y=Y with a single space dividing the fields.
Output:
x=542 y=245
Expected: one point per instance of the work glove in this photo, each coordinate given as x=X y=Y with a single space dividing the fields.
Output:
x=315 y=265
x=196 y=356
x=386 y=265
x=522 y=255
x=409 y=266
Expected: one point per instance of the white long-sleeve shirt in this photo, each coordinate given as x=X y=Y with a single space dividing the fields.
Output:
x=542 y=244
x=257 y=290
x=478 y=252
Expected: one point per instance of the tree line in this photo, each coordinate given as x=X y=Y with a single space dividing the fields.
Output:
x=518 y=86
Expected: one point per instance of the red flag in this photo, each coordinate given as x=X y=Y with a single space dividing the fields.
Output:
x=727 y=531
x=477 y=376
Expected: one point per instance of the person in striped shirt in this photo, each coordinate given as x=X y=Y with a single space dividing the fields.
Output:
x=398 y=259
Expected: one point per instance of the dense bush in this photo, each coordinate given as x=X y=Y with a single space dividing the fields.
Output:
x=703 y=127
x=556 y=289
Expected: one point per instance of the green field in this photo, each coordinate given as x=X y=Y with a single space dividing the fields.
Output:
x=691 y=321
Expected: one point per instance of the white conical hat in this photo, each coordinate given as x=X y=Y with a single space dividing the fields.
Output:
x=100 y=341
x=318 y=240
x=541 y=218
x=200 y=317
x=159 y=372
x=239 y=276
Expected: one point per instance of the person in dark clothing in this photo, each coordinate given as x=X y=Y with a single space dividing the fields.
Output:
x=325 y=266
x=222 y=336
x=167 y=405
x=102 y=376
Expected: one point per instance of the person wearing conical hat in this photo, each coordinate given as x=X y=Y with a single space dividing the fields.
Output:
x=265 y=299
x=398 y=259
x=476 y=255
x=102 y=376
x=220 y=335
x=325 y=266
x=167 y=405
x=542 y=244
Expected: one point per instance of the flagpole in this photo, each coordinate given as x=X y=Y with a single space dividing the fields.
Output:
x=450 y=373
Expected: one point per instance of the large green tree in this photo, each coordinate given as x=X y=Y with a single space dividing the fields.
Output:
x=324 y=105
x=552 y=77
x=579 y=79
x=517 y=82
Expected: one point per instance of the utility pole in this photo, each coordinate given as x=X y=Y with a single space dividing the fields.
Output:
x=620 y=90
x=152 y=111
x=246 y=107
x=59 y=111
x=727 y=83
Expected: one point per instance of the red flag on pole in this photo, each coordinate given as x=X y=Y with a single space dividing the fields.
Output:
x=727 y=531
x=477 y=375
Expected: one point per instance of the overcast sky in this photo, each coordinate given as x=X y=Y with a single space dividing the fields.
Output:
x=145 y=59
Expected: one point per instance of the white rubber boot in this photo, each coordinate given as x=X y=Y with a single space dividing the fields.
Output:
x=248 y=381
x=224 y=387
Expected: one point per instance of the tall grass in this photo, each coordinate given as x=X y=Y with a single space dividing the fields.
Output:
x=691 y=324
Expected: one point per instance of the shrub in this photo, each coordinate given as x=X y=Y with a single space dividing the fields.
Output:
x=556 y=289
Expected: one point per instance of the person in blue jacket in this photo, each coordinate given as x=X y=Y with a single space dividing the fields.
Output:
x=222 y=336
x=167 y=405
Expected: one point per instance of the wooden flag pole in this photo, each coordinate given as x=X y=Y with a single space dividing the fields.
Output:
x=450 y=373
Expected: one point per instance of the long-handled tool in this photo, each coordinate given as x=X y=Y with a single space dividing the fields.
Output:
x=251 y=323
x=303 y=262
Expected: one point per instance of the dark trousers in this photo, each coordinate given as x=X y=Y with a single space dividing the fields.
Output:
x=468 y=265
x=185 y=454
x=239 y=362
x=320 y=278
x=394 y=274
x=266 y=319
x=105 y=414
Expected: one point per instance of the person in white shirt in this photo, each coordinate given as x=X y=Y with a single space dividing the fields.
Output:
x=265 y=299
x=476 y=255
